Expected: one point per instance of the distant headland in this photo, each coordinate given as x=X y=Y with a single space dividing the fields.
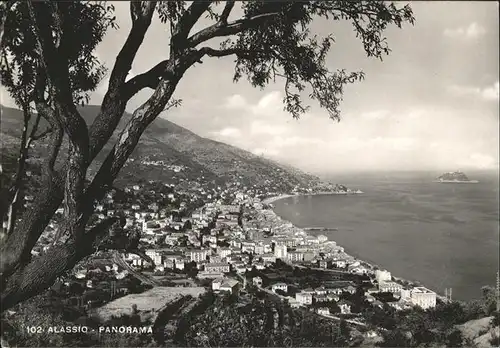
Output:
x=455 y=177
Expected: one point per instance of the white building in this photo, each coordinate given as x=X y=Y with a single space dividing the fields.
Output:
x=295 y=256
x=304 y=298
x=390 y=287
x=420 y=296
x=198 y=255
x=323 y=311
x=257 y=281
x=217 y=267
x=279 y=286
x=322 y=238
x=383 y=276
x=281 y=252
x=345 y=308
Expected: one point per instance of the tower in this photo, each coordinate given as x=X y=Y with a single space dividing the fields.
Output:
x=498 y=291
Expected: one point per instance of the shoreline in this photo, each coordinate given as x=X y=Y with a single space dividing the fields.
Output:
x=368 y=265
x=273 y=199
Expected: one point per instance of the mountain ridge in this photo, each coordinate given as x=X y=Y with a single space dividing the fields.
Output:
x=166 y=141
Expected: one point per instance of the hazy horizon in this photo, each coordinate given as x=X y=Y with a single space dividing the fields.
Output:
x=432 y=104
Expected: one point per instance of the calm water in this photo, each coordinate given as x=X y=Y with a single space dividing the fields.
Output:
x=443 y=235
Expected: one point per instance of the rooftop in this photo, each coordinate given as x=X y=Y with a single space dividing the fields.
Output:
x=423 y=290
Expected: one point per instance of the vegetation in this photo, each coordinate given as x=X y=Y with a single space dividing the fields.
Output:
x=227 y=323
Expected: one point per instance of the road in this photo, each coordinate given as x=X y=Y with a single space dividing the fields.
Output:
x=324 y=270
x=142 y=277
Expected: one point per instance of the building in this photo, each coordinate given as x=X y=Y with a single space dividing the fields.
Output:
x=304 y=298
x=295 y=256
x=322 y=238
x=323 y=264
x=224 y=252
x=259 y=249
x=217 y=267
x=279 y=286
x=345 y=308
x=198 y=255
x=216 y=283
x=268 y=258
x=281 y=252
x=257 y=281
x=383 y=276
x=390 y=287
x=323 y=311
x=229 y=285
x=423 y=297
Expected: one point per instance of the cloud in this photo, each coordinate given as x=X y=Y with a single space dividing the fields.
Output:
x=491 y=93
x=480 y=161
x=270 y=104
x=375 y=115
x=258 y=127
x=472 y=31
x=235 y=101
x=486 y=93
x=228 y=132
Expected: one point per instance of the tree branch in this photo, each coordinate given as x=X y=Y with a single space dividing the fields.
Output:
x=56 y=66
x=43 y=270
x=115 y=100
x=239 y=52
x=5 y=7
x=226 y=12
x=186 y=23
x=141 y=118
x=148 y=79
x=19 y=176
x=231 y=28
x=43 y=134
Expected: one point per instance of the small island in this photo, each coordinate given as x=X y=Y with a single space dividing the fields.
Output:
x=455 y=177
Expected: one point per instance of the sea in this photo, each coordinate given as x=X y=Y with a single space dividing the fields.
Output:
x=441 y=235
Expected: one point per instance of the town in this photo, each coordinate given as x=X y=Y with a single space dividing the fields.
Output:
x=196 y=237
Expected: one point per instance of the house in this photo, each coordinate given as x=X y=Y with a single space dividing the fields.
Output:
x=294 y=303
x=323 y=264
x=320 y=291
x=230 y=286
x=392 y=287
x=279 y=286
x=350 y=289
x=383 y=276
x=198 y=255
x=320 y=298
x=304 y=298
x=295 y=256
x=332 y=297
x=345 y=308
x=323 y=311
x=216 y=283
x=268 y=258
x=257 y=281
x=340 y=263
x=217 y=267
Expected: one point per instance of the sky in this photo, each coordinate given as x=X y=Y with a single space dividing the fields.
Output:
x=432 y=104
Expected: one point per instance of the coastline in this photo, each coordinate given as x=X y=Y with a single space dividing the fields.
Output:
x=346 y=254
x=273 y=199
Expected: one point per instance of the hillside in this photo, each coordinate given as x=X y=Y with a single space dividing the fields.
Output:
x=174 y=146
